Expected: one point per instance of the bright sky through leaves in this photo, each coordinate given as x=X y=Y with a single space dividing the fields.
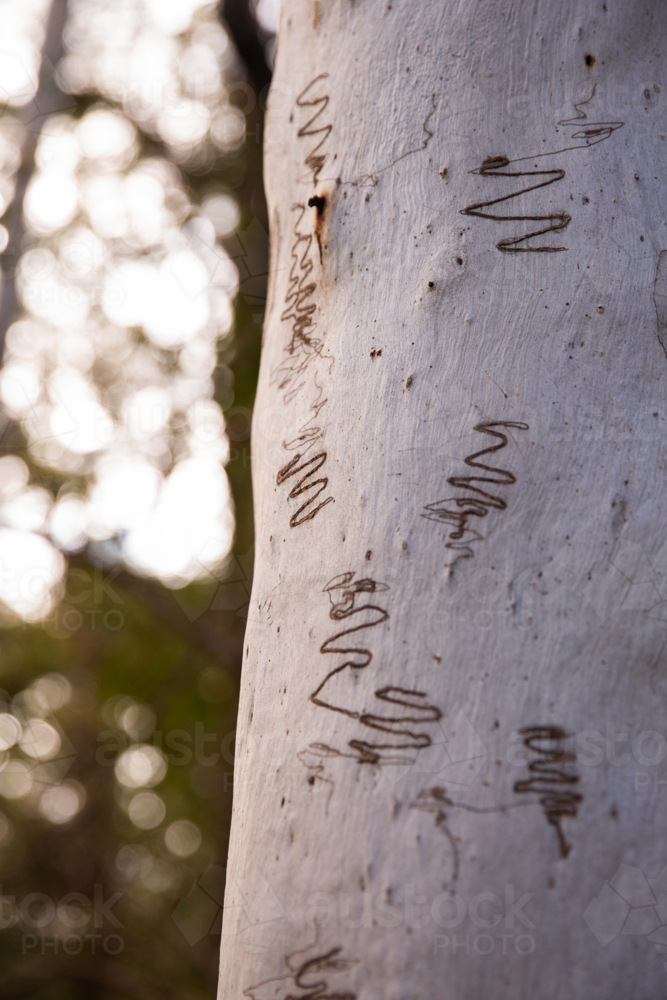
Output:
x=126 y=295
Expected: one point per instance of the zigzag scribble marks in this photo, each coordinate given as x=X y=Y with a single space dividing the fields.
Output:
x=302 y=486
x=412 y=707
x=331 y=962
x=492 y=166
x=548 y=774
x=315 y=159
x=457 y=511
x=556 y=221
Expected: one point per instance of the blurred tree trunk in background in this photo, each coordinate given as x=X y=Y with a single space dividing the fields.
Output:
x=48 y=100
x=453 y=700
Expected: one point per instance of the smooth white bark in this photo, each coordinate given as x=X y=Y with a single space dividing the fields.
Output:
x=453 y=721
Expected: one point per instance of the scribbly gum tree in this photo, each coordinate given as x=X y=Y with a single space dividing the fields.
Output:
x=454 y=709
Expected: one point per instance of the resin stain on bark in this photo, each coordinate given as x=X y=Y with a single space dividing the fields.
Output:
x=319 y=203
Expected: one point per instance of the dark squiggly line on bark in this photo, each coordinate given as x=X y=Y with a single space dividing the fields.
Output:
x=303 y=348
x=660 y=298
x=457 y=511
x=492 y=166
x=437 y=802
x=300 y=309
x=303 y=485
x=316 y=158
x=329 y=962
x=371 y=179
x=551 y=779
x=416 y=708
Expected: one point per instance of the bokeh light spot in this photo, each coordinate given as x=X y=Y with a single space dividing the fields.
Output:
x=146 y=810
x=10 y=730
x=61 y=803
x=182 y=838
x=140 y=765
x=15 y=779
x=40 y=740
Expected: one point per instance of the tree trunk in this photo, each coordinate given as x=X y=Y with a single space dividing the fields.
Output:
x=47 y=101
x=452 y=727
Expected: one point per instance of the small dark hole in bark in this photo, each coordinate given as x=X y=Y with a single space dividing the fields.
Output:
x=589 y=59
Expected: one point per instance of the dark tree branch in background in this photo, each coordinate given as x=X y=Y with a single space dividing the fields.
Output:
x=244 y=30
x=225 y=646
x=47 y=100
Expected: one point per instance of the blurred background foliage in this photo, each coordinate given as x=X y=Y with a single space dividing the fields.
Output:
x=134 y=255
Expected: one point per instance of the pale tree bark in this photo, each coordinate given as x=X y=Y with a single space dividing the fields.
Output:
x=453 y=717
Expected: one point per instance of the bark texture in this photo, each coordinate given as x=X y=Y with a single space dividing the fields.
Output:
x=453 y=718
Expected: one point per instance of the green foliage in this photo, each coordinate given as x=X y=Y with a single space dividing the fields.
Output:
x=90 y=906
